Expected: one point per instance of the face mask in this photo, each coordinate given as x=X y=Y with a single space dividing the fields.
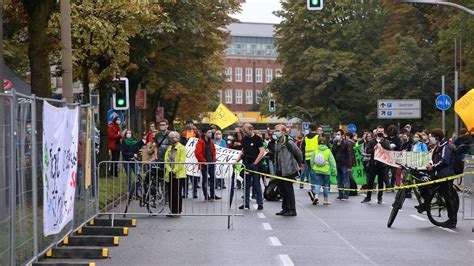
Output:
x=230 y=138
x=404 y=139
x=246 y=134
x=209 y=135
x=278 y=134
x=433 y=140
x=128 y=136
x=274 y=137
x=28 y=130
x=218 y=136
x=380 y=135
x=189 y=127
x=416 y=139
x=119 y=122
x=424 y=137
x=162 y=128
x=151 y=128
x=319 y=132
x=337 y=138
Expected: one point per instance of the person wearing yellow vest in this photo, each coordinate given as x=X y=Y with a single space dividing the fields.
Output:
x=308 y=147
x=324 y=166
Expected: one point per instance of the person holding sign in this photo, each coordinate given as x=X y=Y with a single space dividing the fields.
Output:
x=206 y=153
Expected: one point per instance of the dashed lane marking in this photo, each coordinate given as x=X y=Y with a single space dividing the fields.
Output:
x=286 y=260
x=274 y=241
x=261 y=215
x=418 y=217
x=472 y=241
x=267 y=227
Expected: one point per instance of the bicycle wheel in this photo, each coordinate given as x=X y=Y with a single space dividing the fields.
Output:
x=438 y=212
x=396 y=206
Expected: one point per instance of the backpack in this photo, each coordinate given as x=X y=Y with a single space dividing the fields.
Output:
x=272 y=192
x=457 y=162
x=319 y=159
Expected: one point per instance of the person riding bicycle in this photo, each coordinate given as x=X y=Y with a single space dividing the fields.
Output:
x=441 y=165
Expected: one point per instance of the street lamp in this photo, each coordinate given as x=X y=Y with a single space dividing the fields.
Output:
x=439 y=2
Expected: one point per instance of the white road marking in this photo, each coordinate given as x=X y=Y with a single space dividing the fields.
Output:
x=472 y=241
x=447 y=230
x=261 y=215
x=418 y=217
x=267 y=227
x=341 y=237
x=286 y=260
x=363 y=195
x=274 y=241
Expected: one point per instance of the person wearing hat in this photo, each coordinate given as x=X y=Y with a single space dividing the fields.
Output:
x=206 y=154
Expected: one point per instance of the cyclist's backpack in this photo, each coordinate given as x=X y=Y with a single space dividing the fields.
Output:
x=458 y=163
x=319 y=159
x=272 y=192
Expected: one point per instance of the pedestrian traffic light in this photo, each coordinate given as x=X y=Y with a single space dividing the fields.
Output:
x=271 y=106
x=121 y=96
x=315 y=4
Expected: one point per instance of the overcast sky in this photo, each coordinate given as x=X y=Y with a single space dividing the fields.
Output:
x=259 y=11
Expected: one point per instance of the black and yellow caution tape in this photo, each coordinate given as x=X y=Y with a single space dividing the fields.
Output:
x=444 y=179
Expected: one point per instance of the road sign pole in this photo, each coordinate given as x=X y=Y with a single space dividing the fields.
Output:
x=456 y=96
x=443 y=116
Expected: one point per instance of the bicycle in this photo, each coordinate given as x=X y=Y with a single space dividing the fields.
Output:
x=437 y=212
x=149 y=191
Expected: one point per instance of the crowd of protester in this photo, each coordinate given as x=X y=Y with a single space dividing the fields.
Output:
x=313 y=157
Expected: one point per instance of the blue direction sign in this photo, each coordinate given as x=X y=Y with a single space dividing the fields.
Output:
x=352 y=128
x=113 y=113
x=305 y=125
x=443 y=102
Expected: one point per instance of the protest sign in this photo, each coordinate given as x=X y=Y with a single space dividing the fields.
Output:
x=223 y=155
x=417 y=160
x=60 y=144
x=358 y=169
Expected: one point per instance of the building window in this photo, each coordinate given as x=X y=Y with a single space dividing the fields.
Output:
x=238 y=96
x=259 y=75
x=278 y=73
x=249 y=97
x=219 y=94
x=238 y=74
x=258 y=96
x=228 y=96
x=268 y=75
x=228 y=74
x=248 y=75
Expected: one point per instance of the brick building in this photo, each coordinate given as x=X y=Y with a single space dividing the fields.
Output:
x=250 y=65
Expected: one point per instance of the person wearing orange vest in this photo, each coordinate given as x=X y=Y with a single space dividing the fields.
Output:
x=308 y=147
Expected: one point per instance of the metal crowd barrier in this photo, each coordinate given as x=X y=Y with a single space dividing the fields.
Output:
x=21 y=180
x=133 y=188
x=468 y=188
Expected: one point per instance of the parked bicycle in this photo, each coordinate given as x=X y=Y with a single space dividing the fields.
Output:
x=437 y=212
x=149 y=190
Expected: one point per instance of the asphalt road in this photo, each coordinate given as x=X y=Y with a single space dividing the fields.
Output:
x=344 y=233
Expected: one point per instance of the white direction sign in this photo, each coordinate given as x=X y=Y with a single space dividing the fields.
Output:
x=399 y=109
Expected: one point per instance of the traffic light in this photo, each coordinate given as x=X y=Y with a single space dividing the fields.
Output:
x=271 y=106
x=120 y=97
x=314 y=4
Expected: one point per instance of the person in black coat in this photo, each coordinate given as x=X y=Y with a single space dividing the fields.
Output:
x=130 y=148
x=395 y=145
x=376 y=168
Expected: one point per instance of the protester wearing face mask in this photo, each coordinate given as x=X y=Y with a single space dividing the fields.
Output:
x=175 y=174
x=219 y=141
x=114 y=144
x=407 y=142
x=189 y=131
x=206 y=153
x=441 y=165
x=376 y=168
x=161 y=140
x=343 y=153
x=418 y=145
x=130 y=148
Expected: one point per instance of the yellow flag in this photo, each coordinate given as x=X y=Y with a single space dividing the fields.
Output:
x=222 y=117
x=464 y=107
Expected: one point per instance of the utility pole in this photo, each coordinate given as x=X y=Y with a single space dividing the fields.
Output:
x=443 y=116
x=66 y=50
x=456 y=96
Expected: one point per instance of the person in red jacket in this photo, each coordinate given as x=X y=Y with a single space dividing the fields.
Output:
x=114 y=144
x=206 y=153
